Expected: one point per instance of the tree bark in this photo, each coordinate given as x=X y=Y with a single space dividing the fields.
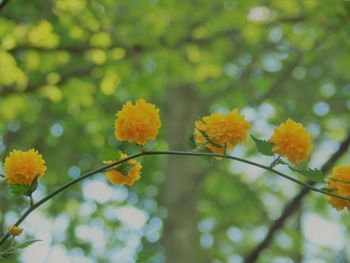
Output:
x=182 y=176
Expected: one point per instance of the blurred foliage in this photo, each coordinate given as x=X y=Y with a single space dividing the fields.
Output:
x=66 y=67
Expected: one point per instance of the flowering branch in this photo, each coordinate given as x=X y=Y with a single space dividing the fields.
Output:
x=64 y=187
x=144 y=153
x=216 y=132
x=294 y=204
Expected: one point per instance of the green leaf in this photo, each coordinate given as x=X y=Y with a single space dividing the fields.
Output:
x=337 y=180
x=329 y=189
x=315 y=175
x=22 y=245
x=191 y=142
x=125 y=168
x=263 y=147
x=27 y=243
x=19 y=189
x=2 y=175
x=33 y=186
x=279 y=161
x=208 y=139
x=24 y=189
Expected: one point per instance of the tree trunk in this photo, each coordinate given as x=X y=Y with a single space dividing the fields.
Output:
x=182 y=176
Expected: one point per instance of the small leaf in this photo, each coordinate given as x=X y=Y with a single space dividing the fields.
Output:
x=312 y=174
x=24 y=189
x=22 y=245
x=19 y=189
x=33 y=186
x=279 y=161
x=6 y=254
x=338 y=180
x=208 y=139
x=329 y=189
x=26 y=243
x=263 y=147
x=124 y=168
x=2 y=175
x=191 y=142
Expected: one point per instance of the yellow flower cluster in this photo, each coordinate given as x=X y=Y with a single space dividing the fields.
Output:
x=15 y=230
x=133 y=174
x=292 y=140
x=219 y=131
x=23 y=167
x=140 y=122
x=137 y=123
x=339 y=183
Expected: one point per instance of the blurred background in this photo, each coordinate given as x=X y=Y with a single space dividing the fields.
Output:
x=67 y=66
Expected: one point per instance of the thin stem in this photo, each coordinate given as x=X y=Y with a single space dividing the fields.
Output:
x=338 y=180
x=250 y=163
x=31 y=200
x=275 y=161
x=145 y=153
x=11 y=241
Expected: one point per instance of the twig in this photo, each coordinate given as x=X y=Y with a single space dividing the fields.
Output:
x=31 y=201
x=3 y=3
x=294 y=204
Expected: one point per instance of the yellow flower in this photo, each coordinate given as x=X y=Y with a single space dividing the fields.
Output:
x=222 y=130
x=116 y=177
x=292 y=140
x=23 y=167
x=137 y=123
x=15 y=230
x=341 y=174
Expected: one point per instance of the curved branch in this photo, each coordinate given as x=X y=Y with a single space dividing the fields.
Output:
x=144 y=153
x=63 y=187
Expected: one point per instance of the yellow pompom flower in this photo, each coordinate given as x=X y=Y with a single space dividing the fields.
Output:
x=117 y=177
x=15 y=230
x=137 y=123
x=292 y=140
x=221 y=130
x=23 y=167
x=337 y=184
